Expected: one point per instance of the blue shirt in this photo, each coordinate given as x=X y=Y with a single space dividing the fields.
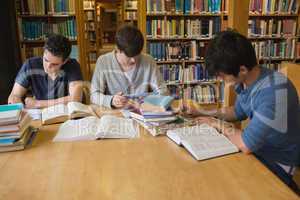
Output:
x=272 y=105
x=32 y=76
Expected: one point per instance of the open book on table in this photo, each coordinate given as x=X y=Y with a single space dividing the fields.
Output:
x=92 y=128
x=60 y=113
x=202 y=141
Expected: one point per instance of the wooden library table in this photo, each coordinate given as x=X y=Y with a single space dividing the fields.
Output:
x=136 y=169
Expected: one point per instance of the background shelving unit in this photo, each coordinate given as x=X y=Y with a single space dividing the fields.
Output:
x=273 y=30
x=176 y=35
x=130 y=12
x=38 y=18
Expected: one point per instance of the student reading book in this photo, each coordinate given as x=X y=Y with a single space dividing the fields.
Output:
x=60 y=113
x=266 y=97
x=125 y=71
x=202 y=141
x=92 y=128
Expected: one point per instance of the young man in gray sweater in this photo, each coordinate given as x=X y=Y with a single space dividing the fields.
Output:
x=124 y=71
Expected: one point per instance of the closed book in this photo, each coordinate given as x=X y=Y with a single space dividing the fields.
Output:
x=22 y=143
x=15 y=128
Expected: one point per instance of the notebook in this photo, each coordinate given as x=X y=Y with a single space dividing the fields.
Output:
x=60 y=113
x=202 y=141
x=92 y=128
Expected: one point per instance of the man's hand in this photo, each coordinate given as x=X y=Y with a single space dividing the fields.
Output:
x=14 y=99
x=31 y=103
x=119 y=101
x=194 y=110
x=223 y=127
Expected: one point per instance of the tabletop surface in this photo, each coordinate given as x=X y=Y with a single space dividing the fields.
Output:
x=142 y=168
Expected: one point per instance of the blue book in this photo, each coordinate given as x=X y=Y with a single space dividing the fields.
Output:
x=178 y=6
x=7 y=141
x=187 y=6
x=159 y=100
x=9 y=107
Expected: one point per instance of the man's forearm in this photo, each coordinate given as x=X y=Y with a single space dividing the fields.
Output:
x=226 y=114
x=52 y=102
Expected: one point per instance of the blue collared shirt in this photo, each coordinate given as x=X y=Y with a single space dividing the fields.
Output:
x=271 y=103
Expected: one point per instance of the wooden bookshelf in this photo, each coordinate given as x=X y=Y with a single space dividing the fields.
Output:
x=130 y=11
x=187 y=61
x=68 y=17
x=276 y=46
x=91 y=32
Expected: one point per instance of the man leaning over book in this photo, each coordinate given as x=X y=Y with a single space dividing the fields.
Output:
x=125 y=71
x=266 y=97
x=53 y=79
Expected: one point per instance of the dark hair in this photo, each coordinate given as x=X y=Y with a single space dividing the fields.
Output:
x=58 y=45
x=227 y=51
x=130 y=40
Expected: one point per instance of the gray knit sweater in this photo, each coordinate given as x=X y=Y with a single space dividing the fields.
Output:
x=109 y=79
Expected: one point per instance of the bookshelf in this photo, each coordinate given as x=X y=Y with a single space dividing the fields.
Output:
x=36 y=19
x=130 y=11
x=272 y=27
x=177 y=34
x=92 y=35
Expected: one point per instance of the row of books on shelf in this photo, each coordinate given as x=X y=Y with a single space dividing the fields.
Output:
x=271 y=27
x=190 y=50
x=175 y=73
x=184 y=6
x=273 y=6
x=273 y=66
x=47 y=7
x=130 y=15
x=38 y=51
x=88 y=5
x=15 y=130
x=201 y=93
x=89 y=15
x=188 y=28
x=39 y=30
x=271 y=49
x=131 y=4
x=90 y=35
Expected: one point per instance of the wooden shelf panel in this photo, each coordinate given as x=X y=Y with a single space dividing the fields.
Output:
x=184 y=15
x=273 y=15
x=41 y=41
x=47 y=16
x=177 y=38
x=192 y=82
x=276 y=59
x=272 y=37
x=161 y=62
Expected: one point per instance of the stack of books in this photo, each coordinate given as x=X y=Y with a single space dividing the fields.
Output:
x=15 y=130
x=154 y=112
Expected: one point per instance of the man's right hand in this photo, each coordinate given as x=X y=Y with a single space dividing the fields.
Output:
x=14 y=99
x=192 y=109
x=119 y=101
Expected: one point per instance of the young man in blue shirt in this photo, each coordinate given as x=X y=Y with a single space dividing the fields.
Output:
x=264 y=96
x=53 y=79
